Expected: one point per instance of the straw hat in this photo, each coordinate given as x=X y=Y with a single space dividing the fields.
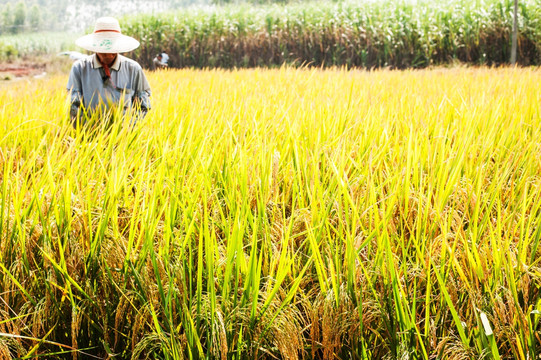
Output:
x=107 y=38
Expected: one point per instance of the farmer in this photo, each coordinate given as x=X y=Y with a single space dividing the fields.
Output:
x=165 y=58
x=106 y=79
x=158 y=62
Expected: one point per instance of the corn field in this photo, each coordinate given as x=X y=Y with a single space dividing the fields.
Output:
x=288 y=213
x=393 y=34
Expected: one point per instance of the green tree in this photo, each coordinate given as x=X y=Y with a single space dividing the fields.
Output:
x=34 y=18
x=19 y=17
x=7 y=19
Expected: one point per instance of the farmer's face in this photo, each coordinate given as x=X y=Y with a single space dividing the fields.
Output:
x=106 y=59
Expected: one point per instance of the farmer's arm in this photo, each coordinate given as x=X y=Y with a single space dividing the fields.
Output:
x=141 y=100
x=75 y=90
x=141 y=97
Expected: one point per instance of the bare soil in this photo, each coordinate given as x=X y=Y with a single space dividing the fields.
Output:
x=21 y=70
x=37 y=67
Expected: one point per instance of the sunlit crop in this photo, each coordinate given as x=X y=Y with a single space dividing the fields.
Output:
x=287 y=213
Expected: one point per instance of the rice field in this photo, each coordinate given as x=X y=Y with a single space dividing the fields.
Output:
x=276 y=214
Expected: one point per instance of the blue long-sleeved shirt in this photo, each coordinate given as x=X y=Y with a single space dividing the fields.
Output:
x=90 y=89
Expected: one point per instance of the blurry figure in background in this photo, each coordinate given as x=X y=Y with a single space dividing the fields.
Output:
x=106 y=80
x=165 y=58
x=73 y=55
x=158 y=62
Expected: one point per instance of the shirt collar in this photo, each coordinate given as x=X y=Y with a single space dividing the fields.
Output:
x=96 y=63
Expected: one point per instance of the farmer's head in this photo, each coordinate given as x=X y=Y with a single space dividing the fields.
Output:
x=106 y=58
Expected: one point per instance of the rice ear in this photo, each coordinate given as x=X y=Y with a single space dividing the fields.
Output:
x=4 y=350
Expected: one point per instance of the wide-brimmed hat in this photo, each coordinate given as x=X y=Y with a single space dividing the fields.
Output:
x=107 y=38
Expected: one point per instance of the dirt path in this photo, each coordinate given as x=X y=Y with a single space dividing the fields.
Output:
x=13 y=71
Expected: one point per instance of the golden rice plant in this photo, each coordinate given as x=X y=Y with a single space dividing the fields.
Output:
x=285 y=213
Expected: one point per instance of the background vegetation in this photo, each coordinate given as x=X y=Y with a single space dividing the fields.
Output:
x=34 y=45
x=23 y=16
x=354 y=34
x=396 y=34
x=288 y=214
x=32 y=16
